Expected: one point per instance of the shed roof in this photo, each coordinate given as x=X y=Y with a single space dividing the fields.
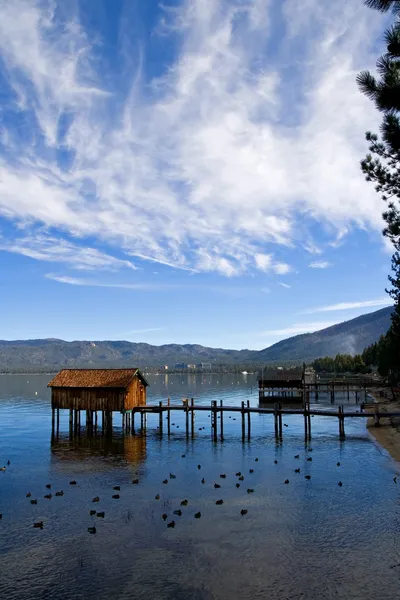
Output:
x=281 y=375
x=95 y=378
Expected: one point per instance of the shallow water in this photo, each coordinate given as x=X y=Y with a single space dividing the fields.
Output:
x=306 y=539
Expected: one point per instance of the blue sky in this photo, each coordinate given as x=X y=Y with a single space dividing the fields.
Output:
x=186 y=171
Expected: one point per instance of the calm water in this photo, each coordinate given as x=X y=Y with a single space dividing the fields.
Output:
x=306 y=539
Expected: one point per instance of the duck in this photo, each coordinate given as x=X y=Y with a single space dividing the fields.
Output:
x=171 y=524
x=33 y=501
x=100 y=515
x=238 y=474
x=197 y=515
x=286 y=480
x=157 y=496
x=297 y=470
x=219 y=502
x=216 y=485
x=199 y=467
x=73 y=482
x=251 y=470
x=28 y=495
x=338 y=464
x=307 y=477
x=203 y=480
x=395 y=479
x=135 y=481
x=297 y=456
x=91 y=529
x=3 y=468
x=223 y=476
x=48 y=485
x=96 y=499
x=92 y=512
x=61 y=493
x=285 y=425
x=238 y=485
x=183 y=455
x=241 y=478
x=309 y=459
x=8 y=462
x=178 y=512
x=38 y=525
x=256 y=459
x=117 y=488
x=243 y=512
x=116 y=496
x=48 y=496
x=172 y=476
x=165 y=481
x=250 y=490
x=340 y=484
x=310 y=450
x=275 y=462
x=164 y=517
x=184 y=502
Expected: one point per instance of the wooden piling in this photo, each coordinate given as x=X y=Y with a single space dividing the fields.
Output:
x=376 y=417
x=192 y=415
x=52 y=419
x=305 y=420
x=276 y=420
x=280 y=420
x=348 y=392
x=215 y=420
x=222 y=420
x=169 y=418
x=160 y=425
x=243 y=422
x=248 y=420
x=186 y=402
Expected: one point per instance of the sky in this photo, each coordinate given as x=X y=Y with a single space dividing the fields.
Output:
x=186 y=171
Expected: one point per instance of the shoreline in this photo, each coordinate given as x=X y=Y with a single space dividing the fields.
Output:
x=387 y=434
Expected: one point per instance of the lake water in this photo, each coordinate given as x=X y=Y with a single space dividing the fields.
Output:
x=307 y=539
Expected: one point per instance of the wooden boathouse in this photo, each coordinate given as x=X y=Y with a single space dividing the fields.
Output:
x=281 y=384
x=97 y=390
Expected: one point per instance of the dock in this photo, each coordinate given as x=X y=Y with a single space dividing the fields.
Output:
x=217 y=411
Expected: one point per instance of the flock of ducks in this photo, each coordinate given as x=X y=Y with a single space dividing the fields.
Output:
x=184 y=503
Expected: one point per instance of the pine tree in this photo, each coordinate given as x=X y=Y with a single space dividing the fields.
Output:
x=382 y=164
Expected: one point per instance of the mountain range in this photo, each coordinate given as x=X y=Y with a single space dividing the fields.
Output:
x=349 y=337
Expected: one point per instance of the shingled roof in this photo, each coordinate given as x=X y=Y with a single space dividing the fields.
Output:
x=96 y=378
x=281 y=375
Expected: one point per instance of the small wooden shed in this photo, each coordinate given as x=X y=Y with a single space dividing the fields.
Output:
x=281 y=384
x=98 y=389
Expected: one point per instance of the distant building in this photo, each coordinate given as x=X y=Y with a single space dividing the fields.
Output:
x=203 y=365
x=191 y=366
x=181 y=365
x=166 y=367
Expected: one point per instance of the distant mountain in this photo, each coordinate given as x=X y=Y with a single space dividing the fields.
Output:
x=349 y=337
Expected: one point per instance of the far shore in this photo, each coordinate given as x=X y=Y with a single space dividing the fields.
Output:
x=388 y=432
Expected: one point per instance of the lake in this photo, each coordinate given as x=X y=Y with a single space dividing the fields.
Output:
x=308 y=539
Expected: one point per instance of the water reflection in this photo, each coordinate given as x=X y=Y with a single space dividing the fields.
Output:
x=97 y=450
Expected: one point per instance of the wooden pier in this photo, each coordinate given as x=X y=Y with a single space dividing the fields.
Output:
x=216 y=412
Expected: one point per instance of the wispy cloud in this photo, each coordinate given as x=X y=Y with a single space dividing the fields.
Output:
x=284 y=285
x=147 y=330
x=125 y=286
x=205 y=167
x=350 y=305
x=320 y=264
x=50 y=249
x=298 y=328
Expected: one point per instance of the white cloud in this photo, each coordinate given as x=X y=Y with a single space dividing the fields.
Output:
x=50 y=249
x=298 y=328
x=93 y=283
x=350 y=305
x=284 y=285
x=204 y=168
x=320 y=264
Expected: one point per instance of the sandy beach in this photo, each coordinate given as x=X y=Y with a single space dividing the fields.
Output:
x=388 y=432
